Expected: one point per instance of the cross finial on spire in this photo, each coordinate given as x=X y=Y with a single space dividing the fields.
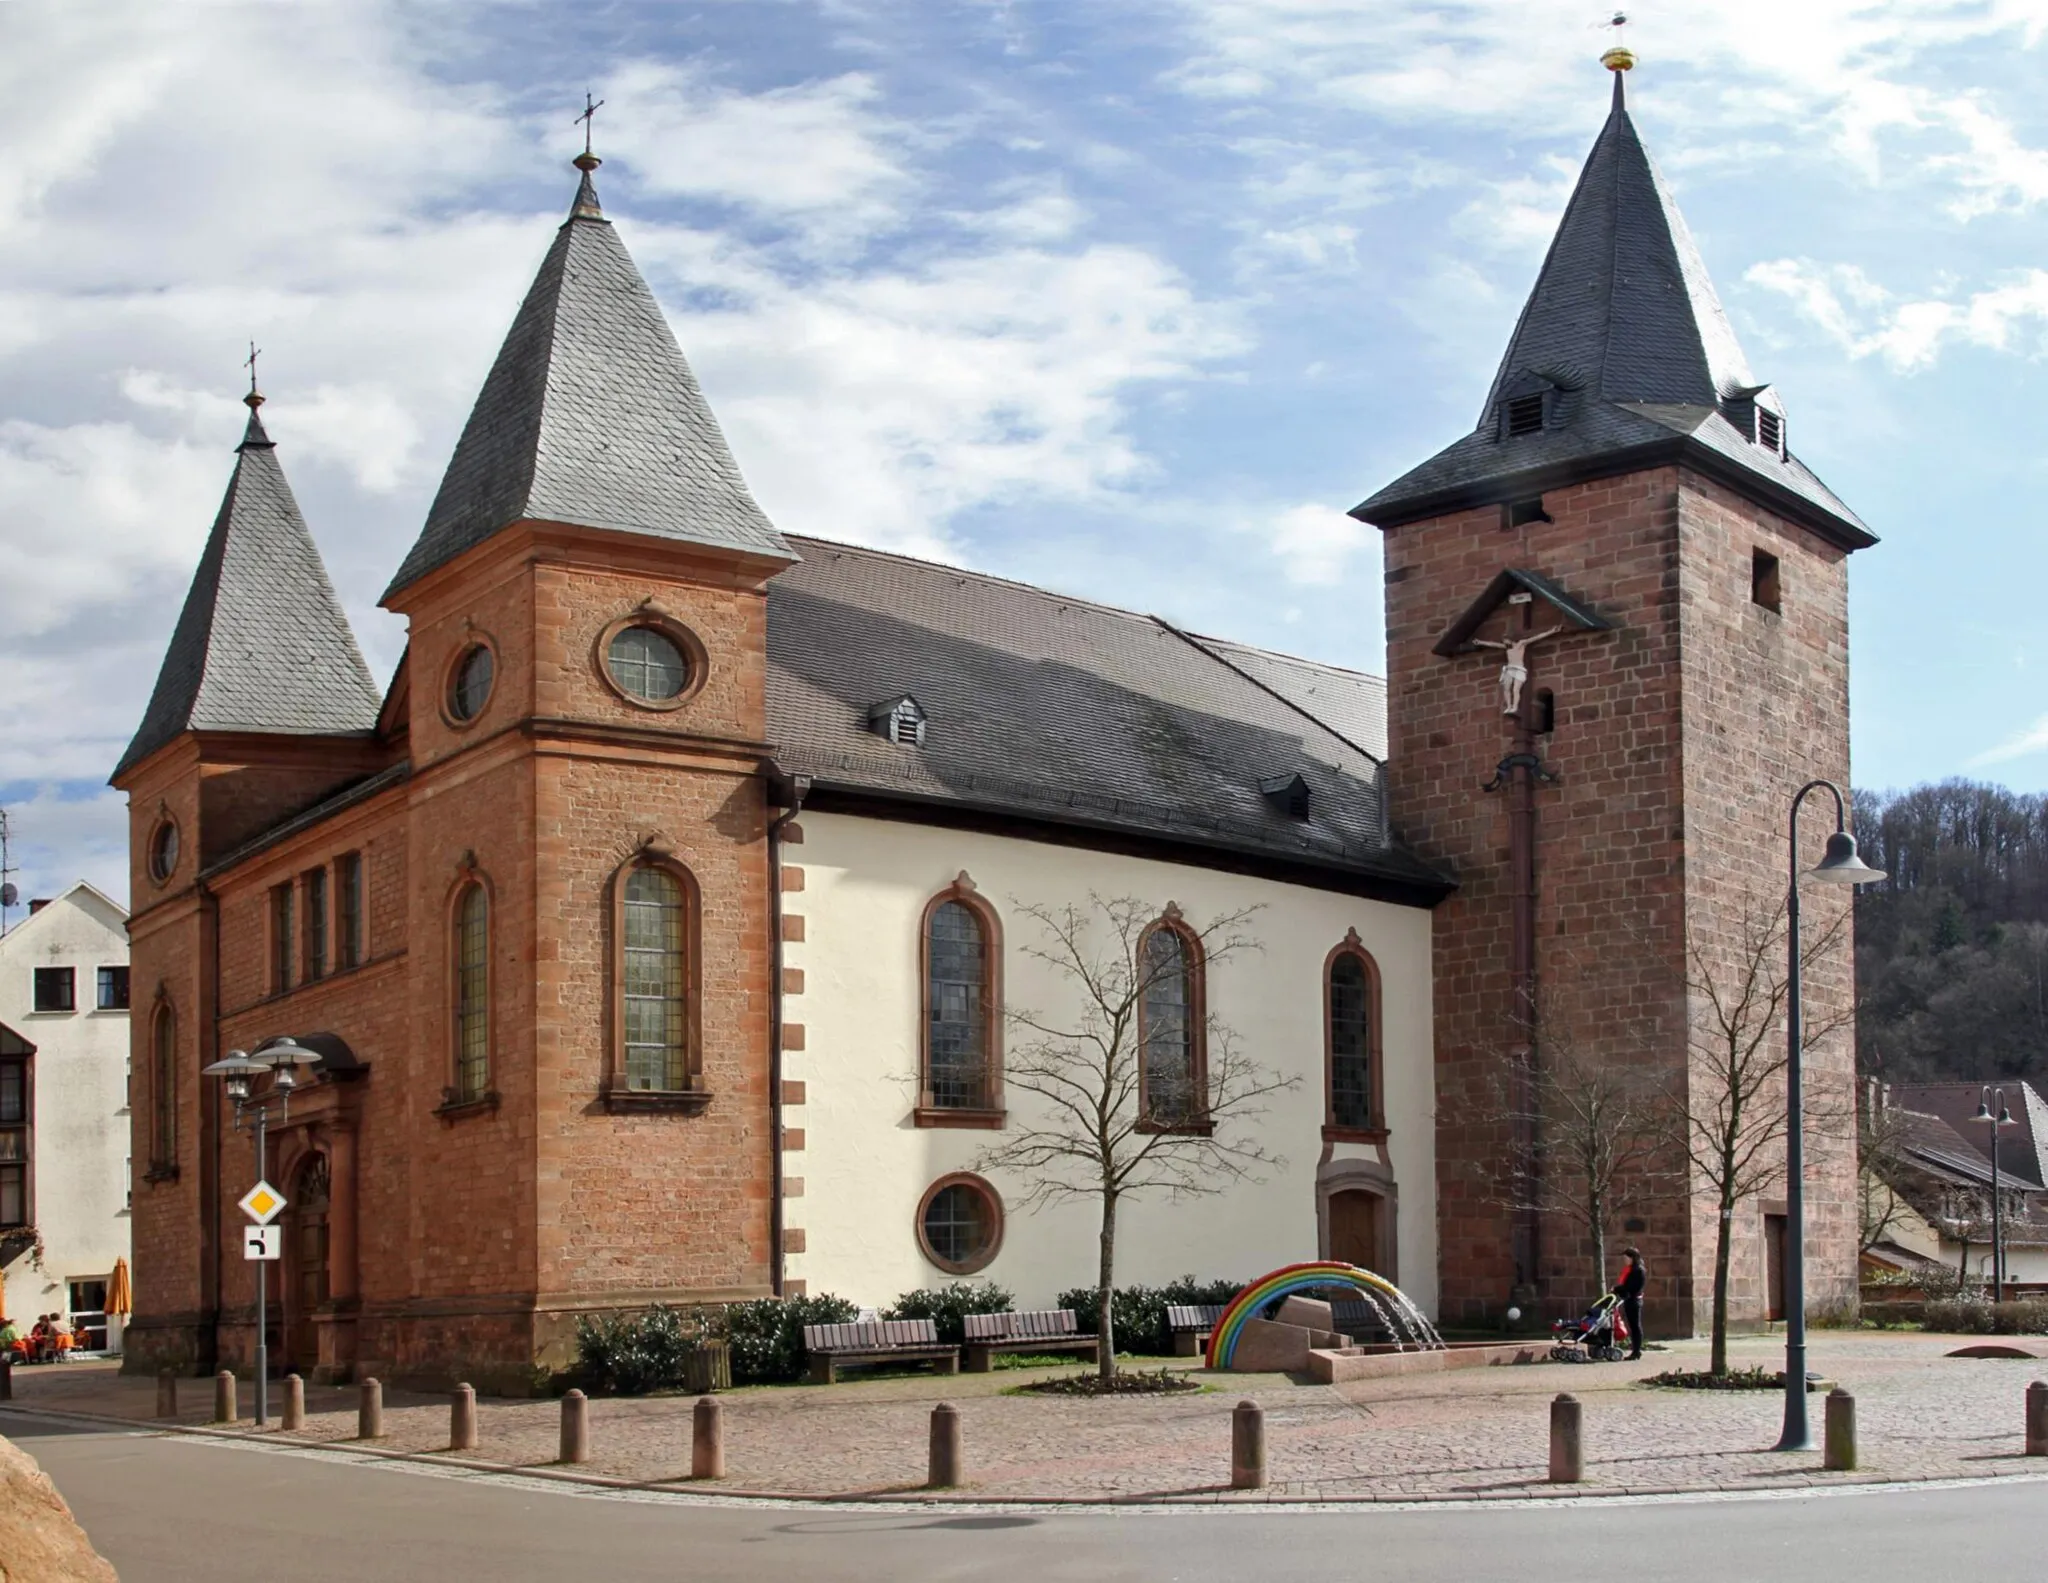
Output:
x=587 y=161
x=1618 y=57
x=255 y=397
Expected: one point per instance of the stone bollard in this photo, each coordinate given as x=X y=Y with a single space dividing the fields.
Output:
x=224 y=1397
x=370 y=1410
x=575 y=1428
x=1567 y=1442
x=1838 y=1445
x=167 y=1393
x=2037 y=1419
x=1247 y=1446
x=462 y=1419
x=294 y=1419
x=707 y=1439
x=945 y=1458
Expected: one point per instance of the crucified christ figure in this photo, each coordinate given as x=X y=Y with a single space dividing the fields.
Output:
x=1514 y=669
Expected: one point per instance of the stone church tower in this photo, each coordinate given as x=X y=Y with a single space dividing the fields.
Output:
x=1629 y=504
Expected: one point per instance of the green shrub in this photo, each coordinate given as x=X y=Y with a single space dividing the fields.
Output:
x=1973 y=1316
x=630 y=1354
x=1140 y=1311
x=767 y=1336
x=948 y=1306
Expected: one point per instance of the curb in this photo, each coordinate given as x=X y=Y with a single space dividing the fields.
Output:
x=683 y=1491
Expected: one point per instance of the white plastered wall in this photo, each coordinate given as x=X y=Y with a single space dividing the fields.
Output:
x=80 y=1125
x=865 y=1166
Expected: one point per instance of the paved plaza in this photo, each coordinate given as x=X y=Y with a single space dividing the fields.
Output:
x=1477 y=1434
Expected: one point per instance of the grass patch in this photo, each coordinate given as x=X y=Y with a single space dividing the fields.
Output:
x=1754 y=1379
x=1125 y=1382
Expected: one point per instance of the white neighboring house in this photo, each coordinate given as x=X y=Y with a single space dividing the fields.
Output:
x=64 y=1168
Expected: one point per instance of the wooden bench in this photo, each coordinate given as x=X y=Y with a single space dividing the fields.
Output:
x=1190 y=1324
x=1362 y=1321
x=1043 y=1330
x=831 y=1347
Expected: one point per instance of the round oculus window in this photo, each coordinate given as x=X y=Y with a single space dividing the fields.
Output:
x=647 y=664
x=960 y=1224
x=469 y=689
x=163 y=851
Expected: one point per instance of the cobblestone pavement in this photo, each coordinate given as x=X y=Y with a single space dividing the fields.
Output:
x=1473 y=1434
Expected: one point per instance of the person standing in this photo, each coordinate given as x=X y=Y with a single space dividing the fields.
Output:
x=1634 y=1276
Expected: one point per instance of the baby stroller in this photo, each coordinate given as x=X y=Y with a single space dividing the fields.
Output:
x=1599 y=1335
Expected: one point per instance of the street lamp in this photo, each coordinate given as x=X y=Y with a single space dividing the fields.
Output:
x=238 y=1071
x=2002 y=1119
x=1839 y=865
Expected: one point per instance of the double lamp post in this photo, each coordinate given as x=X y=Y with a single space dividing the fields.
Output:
x=279 y=1061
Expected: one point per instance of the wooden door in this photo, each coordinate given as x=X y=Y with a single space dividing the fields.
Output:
x=307 y=1263
x=1774 y=1266
x=1355 y=1227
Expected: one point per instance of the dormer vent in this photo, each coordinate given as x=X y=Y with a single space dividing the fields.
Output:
x=1770 y=431
x=1288 y=793
x=901 y=719
x=1525 y=414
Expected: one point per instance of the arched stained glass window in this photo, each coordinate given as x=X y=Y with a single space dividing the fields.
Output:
x=654 y=980
x=957 y=1007
x=472 y=994
x=163 y=1090
x=1350 y=1042
x=1169 y=1027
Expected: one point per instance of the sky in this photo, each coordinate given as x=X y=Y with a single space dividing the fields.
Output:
x=1131 y=300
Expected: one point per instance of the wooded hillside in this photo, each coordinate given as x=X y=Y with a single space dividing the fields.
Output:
x=1952 y=949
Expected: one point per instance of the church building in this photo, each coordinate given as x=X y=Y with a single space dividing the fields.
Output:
x=667 y=927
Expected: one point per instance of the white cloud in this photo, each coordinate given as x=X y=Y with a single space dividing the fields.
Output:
x=2028 y=740
x=1315 y=543
x=58 y=837
x=1866 y=320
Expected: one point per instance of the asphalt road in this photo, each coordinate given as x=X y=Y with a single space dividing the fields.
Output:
x=168 y=1509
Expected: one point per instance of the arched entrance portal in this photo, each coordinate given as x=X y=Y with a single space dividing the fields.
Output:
x=1358 y=1228
x=308 y=1261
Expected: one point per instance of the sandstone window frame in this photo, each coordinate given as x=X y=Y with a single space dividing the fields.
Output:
x=470 y=985
x=1194 y=978
x=617 y=1091
x=314 y=931
x=164 y=841
x=283 y=901
x=351 y=912
x=463 y=699
x=696 y=658
x=1352 y=949
x=990 y=1113
x=163 y=1092
x=992 y=1204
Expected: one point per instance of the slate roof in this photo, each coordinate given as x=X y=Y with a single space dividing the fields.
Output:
x=1625 y=324
x=262 y=643
x=590 y=416
x=2019 y=1146
x=1058 y=710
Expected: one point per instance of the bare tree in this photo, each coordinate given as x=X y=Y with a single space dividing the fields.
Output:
x=1103 y=1128
x=1733 y=1120
x=1880 y=1164
x=1602 y=1131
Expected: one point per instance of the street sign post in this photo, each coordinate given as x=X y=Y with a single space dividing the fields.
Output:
x=263 y=1242
x=262 y=1203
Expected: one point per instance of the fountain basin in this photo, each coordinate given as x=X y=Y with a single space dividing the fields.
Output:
x=1336 y=1365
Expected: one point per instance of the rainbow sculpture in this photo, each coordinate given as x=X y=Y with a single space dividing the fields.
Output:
x=1284 y=1282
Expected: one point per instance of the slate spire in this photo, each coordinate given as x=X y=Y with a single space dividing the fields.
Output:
x=1623 y=358
x=262 y=643
x=590 y=416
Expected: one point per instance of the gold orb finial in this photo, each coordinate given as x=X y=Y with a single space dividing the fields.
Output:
x=1619 y=58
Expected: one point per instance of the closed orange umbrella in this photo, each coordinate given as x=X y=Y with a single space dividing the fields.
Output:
x=120 y=1300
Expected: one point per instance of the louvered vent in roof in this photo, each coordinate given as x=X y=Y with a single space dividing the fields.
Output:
x=901 y=719
x=1770 y=430
x=1525 y=414
x=1288 y=793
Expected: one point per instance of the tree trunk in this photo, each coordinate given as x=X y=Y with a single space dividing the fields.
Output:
x=1596 y=1216
x=1105 y=1289
x=1717 y=1356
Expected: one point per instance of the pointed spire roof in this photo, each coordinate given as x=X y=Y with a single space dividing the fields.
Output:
x=1635 y=362
x=591 y=416
x=262 y=643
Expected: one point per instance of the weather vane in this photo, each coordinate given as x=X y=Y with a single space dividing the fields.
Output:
x=1619 y=57
x=588 y=118
x=255 y=397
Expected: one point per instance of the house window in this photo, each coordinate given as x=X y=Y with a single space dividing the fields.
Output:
x=1763 y=580
x=472 y=995
x=88 y=1307
x=163 y=1094
x=56 y=989
x=314 y=892
x=14 y=1141
x=1169 y=1026
x=280 y=939
x=163 y=851
x=960 y=1224
x=1351 y=1005
x=113 y=988
x=348 y=909
x=469 y=685
x=647 y=664
x=654 y=980
x=961 y=1005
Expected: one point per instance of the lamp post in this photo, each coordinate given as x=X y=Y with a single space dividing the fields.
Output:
x=1984 y=1117
x=238 y=1069
x=1838 y=866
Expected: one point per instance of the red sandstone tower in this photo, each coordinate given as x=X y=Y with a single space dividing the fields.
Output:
x=1628 y=503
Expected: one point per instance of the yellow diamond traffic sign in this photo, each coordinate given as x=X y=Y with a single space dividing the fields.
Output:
x=262 y=1203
